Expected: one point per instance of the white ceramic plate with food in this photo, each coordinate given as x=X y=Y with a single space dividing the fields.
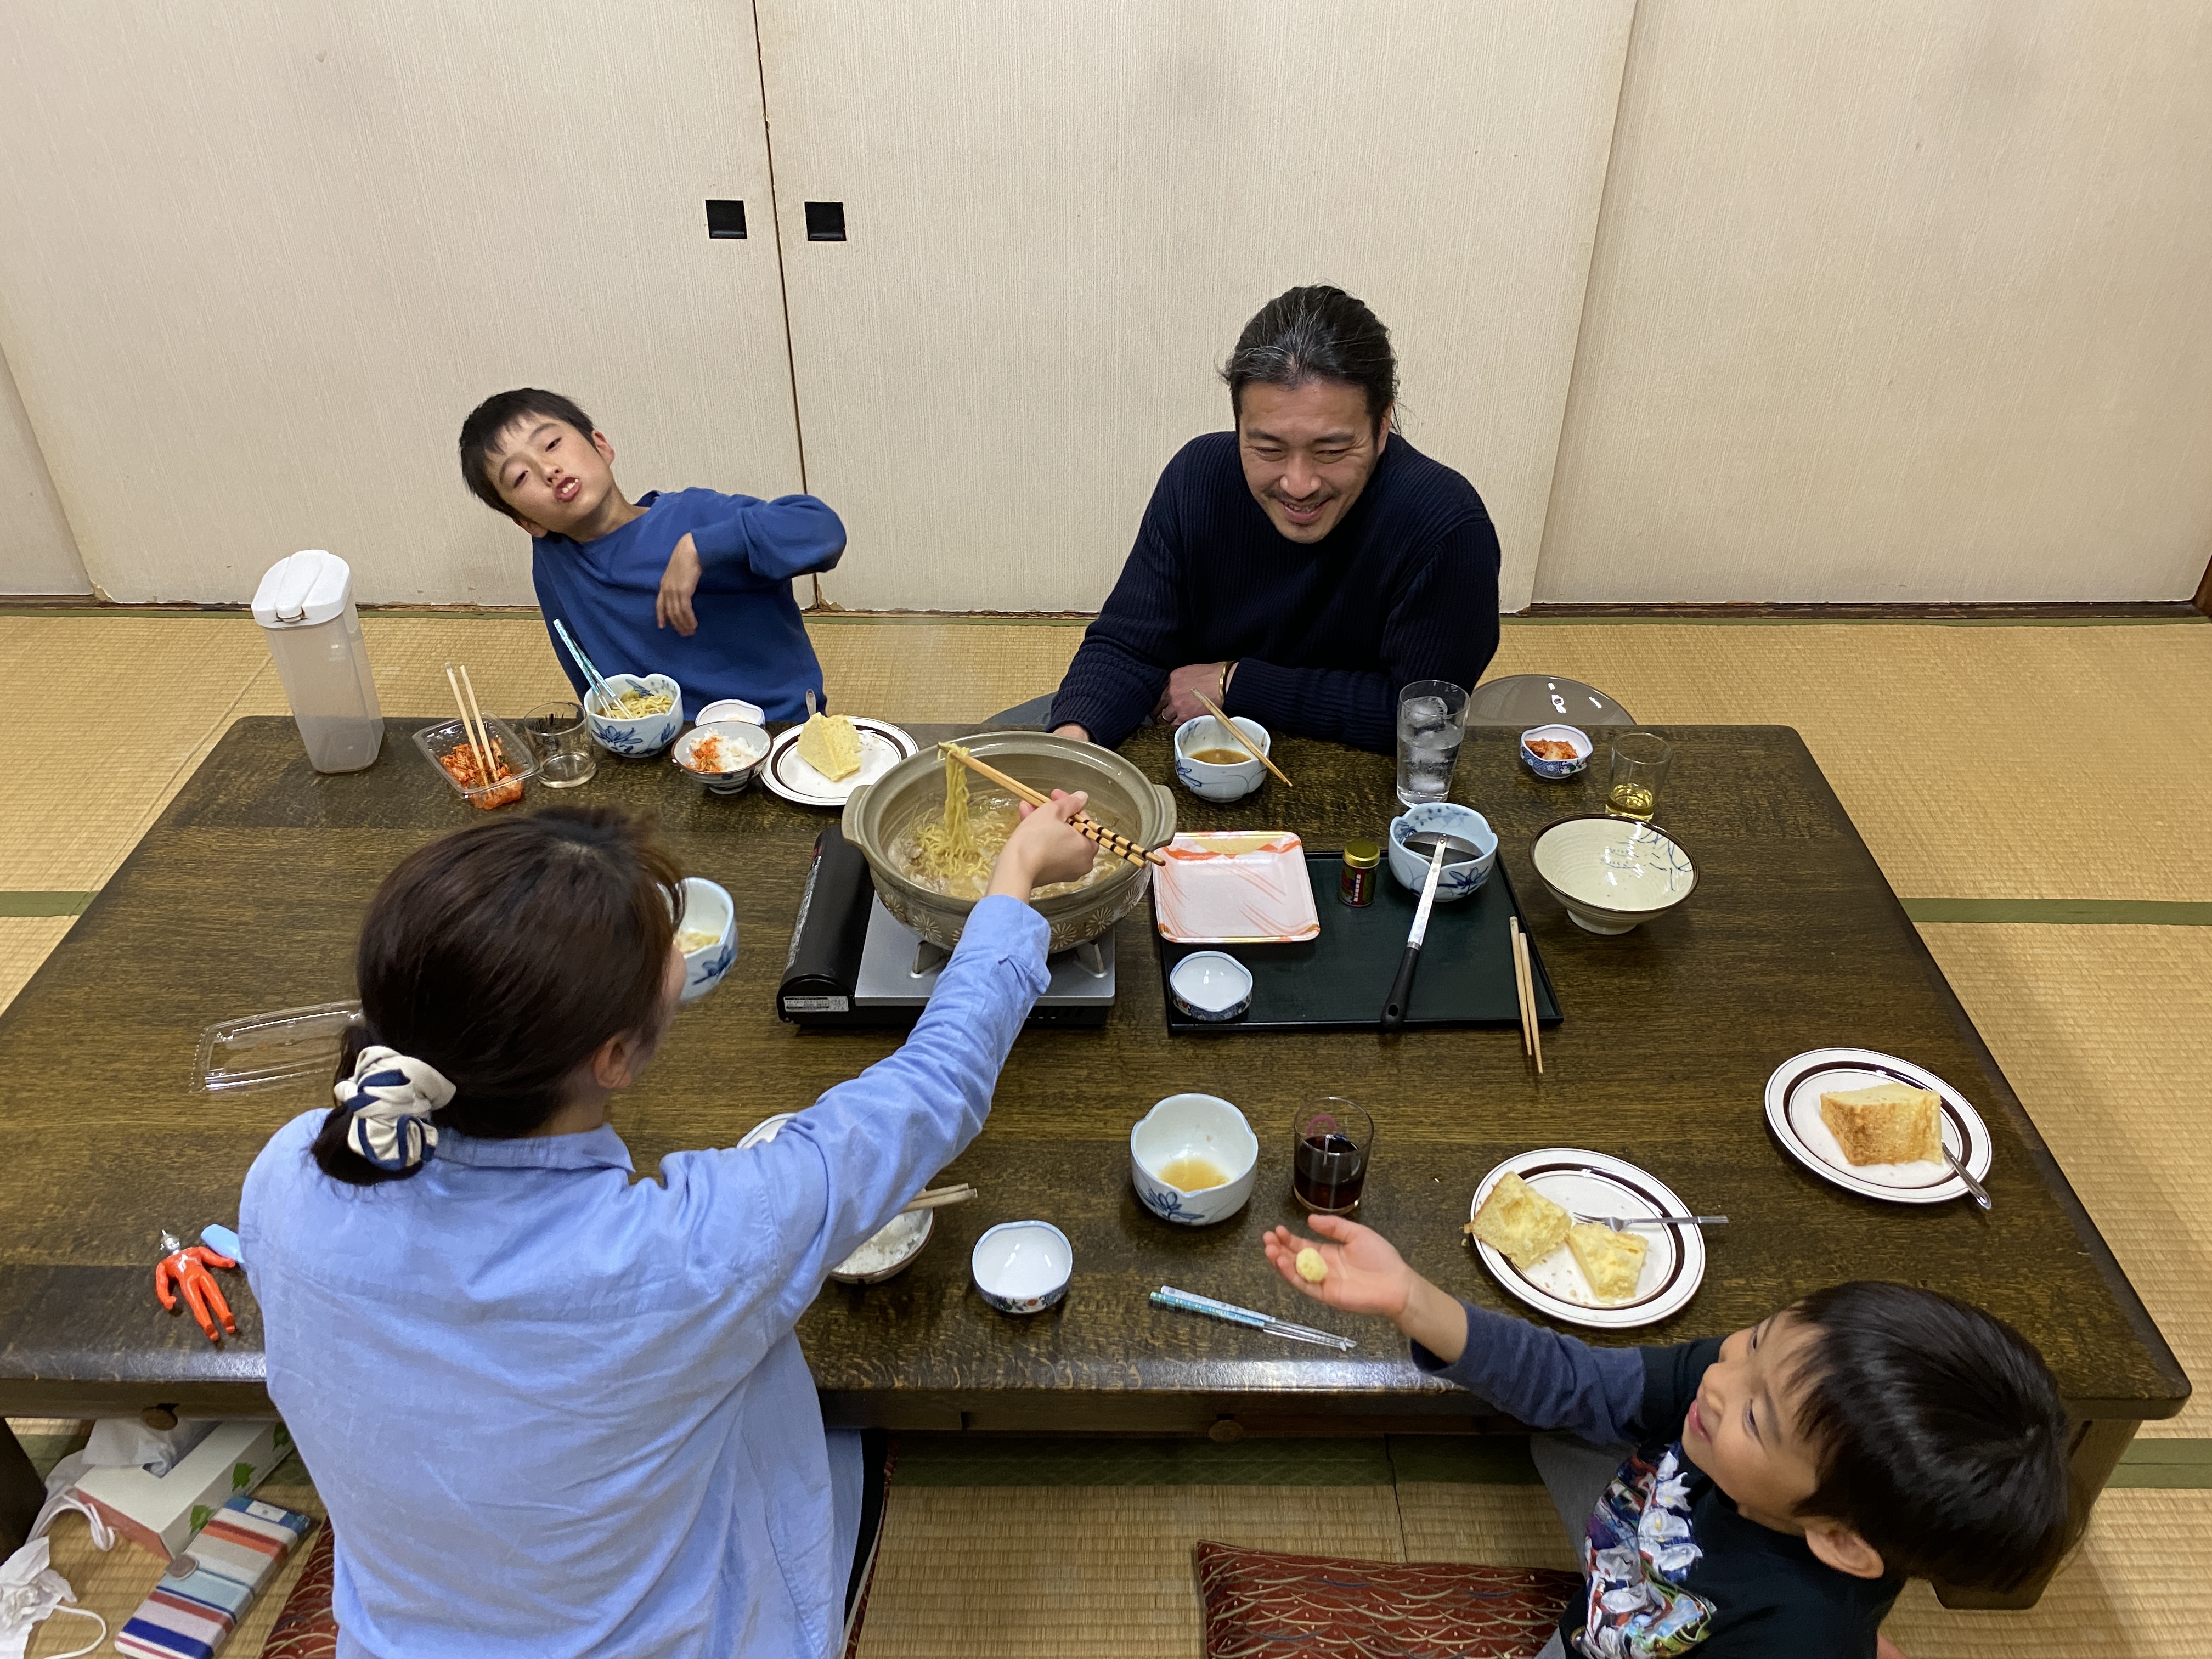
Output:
x=883 y=746
x=1593 y=1184
x=1793 y=1111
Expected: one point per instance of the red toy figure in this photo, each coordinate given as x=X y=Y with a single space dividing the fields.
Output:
x=189 y=1268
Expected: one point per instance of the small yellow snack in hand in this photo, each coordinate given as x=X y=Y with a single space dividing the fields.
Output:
x=1311 y=1268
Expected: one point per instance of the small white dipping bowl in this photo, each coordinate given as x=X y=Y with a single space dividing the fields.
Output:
x=1612 y=873
x=1207 y=781
x=1210 y=985
x=764 y=1131
x=732 y=708
x=1193 y=1126
x=648 y=735
x=707 y=906
x=889 y=1252
x=1021 y=1267
x=737 y=739
x=1462 y=875
x=1556 y=770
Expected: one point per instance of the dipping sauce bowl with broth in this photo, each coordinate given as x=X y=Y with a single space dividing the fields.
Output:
x=1209 y=764
x=707 y=933
x=1191 y=1159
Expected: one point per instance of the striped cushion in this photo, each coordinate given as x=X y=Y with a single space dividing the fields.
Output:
x=307 y=1629
x=1260 y=1605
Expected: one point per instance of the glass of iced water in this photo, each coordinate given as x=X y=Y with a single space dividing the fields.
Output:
x=1431 y=724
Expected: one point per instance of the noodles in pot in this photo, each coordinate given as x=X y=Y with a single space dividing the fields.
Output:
x=951 y=852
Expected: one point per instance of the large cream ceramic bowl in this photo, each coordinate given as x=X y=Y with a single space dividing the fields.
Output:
x=1611 y=873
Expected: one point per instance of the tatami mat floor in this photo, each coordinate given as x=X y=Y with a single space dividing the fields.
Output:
x=2097 y=732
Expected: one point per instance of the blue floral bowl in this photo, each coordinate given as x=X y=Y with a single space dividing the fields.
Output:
x=648 y=735
x=1198 y=1128
x=1021 y=1267
x=1209 y=779
x=1544 y=767
x=1462 y=876
x=707 y=910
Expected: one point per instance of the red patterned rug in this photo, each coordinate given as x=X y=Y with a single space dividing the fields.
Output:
x=1260 y=1605
x=307 y=1629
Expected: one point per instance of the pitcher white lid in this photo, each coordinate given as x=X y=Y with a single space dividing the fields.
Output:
x=309 y=587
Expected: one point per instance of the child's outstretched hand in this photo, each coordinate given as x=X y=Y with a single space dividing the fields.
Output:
x=1043 y=848
x=1365 y=1273
x=672 y=606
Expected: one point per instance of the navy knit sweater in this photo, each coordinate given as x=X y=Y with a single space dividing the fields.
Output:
x=1405 y=588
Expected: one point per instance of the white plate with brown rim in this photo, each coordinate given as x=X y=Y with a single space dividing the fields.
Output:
x=1793 y=1112
x=1587 y=1183
x=883 y=746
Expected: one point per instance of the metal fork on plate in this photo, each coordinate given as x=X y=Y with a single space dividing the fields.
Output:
x=1620 y=1223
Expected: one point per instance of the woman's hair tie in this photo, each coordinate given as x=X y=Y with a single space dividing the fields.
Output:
x=391 y=1095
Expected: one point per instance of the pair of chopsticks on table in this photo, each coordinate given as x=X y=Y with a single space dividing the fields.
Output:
x=1524 y=987
x=1112 y=841
x=1251 y=1318
x=937 y=1198
x=1236 y=736
x=479 y=735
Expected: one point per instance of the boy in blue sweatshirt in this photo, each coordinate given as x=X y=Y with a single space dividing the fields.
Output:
x=693 y=584
x=1760 y=1494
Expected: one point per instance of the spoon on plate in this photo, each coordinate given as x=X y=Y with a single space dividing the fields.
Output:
x=1401 y=987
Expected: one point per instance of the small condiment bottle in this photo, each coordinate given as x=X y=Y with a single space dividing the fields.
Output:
x=1356 y=886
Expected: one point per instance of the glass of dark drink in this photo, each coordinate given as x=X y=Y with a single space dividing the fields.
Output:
x=1331 y=1141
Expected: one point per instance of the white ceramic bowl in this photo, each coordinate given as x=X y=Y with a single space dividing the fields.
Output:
x=906 y=1234
x=707 y=905
x=1193 y=1126
x=732 y=708
x=1556 y=768
x=1207 y=781
x=648 y=736
x=764 y=1131
x=1021 y=1267
x=1462 y=875
x=736 y=736
x=1612 y=873
x=1210 y=985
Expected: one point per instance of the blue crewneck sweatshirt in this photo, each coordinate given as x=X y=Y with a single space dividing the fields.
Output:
x=1324 y=634
x=751 y=642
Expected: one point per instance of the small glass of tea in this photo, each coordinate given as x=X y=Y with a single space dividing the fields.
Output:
x=1331 y=1141
x=1640 y=763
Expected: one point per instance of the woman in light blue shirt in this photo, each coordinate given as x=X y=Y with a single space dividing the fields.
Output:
x=555 y=1410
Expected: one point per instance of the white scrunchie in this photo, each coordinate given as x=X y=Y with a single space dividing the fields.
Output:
x=391 y=1096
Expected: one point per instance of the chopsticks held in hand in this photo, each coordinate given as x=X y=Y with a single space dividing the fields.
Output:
x=1524 y=987
x=1236 y=736
x=1110 y=839
x=936 y=1198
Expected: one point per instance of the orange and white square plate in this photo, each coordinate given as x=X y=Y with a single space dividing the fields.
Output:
x=1235 y=887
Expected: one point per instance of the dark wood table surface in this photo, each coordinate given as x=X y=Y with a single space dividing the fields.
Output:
x=247 y=894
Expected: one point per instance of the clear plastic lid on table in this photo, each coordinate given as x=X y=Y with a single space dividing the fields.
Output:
x=260 y=1051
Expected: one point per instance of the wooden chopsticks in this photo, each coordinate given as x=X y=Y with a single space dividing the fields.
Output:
x=479 y=738
x=936 y=1198
x=1236 y=735
x=1112 y=841
x=1524 y=987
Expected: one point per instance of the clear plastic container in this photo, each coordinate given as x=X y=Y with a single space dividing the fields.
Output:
x=260 y=1051
x=517 y=751
x=305 y=606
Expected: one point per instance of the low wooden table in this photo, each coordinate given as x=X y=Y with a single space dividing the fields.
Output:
x=247 y=894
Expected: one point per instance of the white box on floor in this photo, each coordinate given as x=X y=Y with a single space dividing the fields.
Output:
x=162 y=1511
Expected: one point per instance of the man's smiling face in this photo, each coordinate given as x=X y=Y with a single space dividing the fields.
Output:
x=555 y=479
x=1308 y=451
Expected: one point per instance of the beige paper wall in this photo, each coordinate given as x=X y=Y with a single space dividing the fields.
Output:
x=1898 y=300
x=38 y=554
x=259 y=258
x=1060 y=215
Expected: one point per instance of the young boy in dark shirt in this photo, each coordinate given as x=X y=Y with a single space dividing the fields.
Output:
x=1765 y=1493
x=692 y=584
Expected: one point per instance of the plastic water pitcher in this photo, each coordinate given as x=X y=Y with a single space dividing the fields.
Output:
x=306 y=603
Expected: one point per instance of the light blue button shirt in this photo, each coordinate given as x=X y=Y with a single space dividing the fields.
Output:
x=557 y=1411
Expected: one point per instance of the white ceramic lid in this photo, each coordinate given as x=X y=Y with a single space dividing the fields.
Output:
x=309 y=587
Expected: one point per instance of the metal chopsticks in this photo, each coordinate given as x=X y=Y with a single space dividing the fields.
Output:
x=1190 y=1302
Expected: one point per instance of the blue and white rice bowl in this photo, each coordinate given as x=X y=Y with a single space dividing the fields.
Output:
x=1556 y=768
x=1208 y=779
x=743 y=737
x=707 y=908
x=1462 y=875
x=1210 y=985
x=1021 y=1267
x=1193 y=1126
x=1612 y=874
x=648 y=735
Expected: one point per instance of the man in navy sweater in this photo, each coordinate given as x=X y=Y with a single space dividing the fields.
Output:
x=1302 y=567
